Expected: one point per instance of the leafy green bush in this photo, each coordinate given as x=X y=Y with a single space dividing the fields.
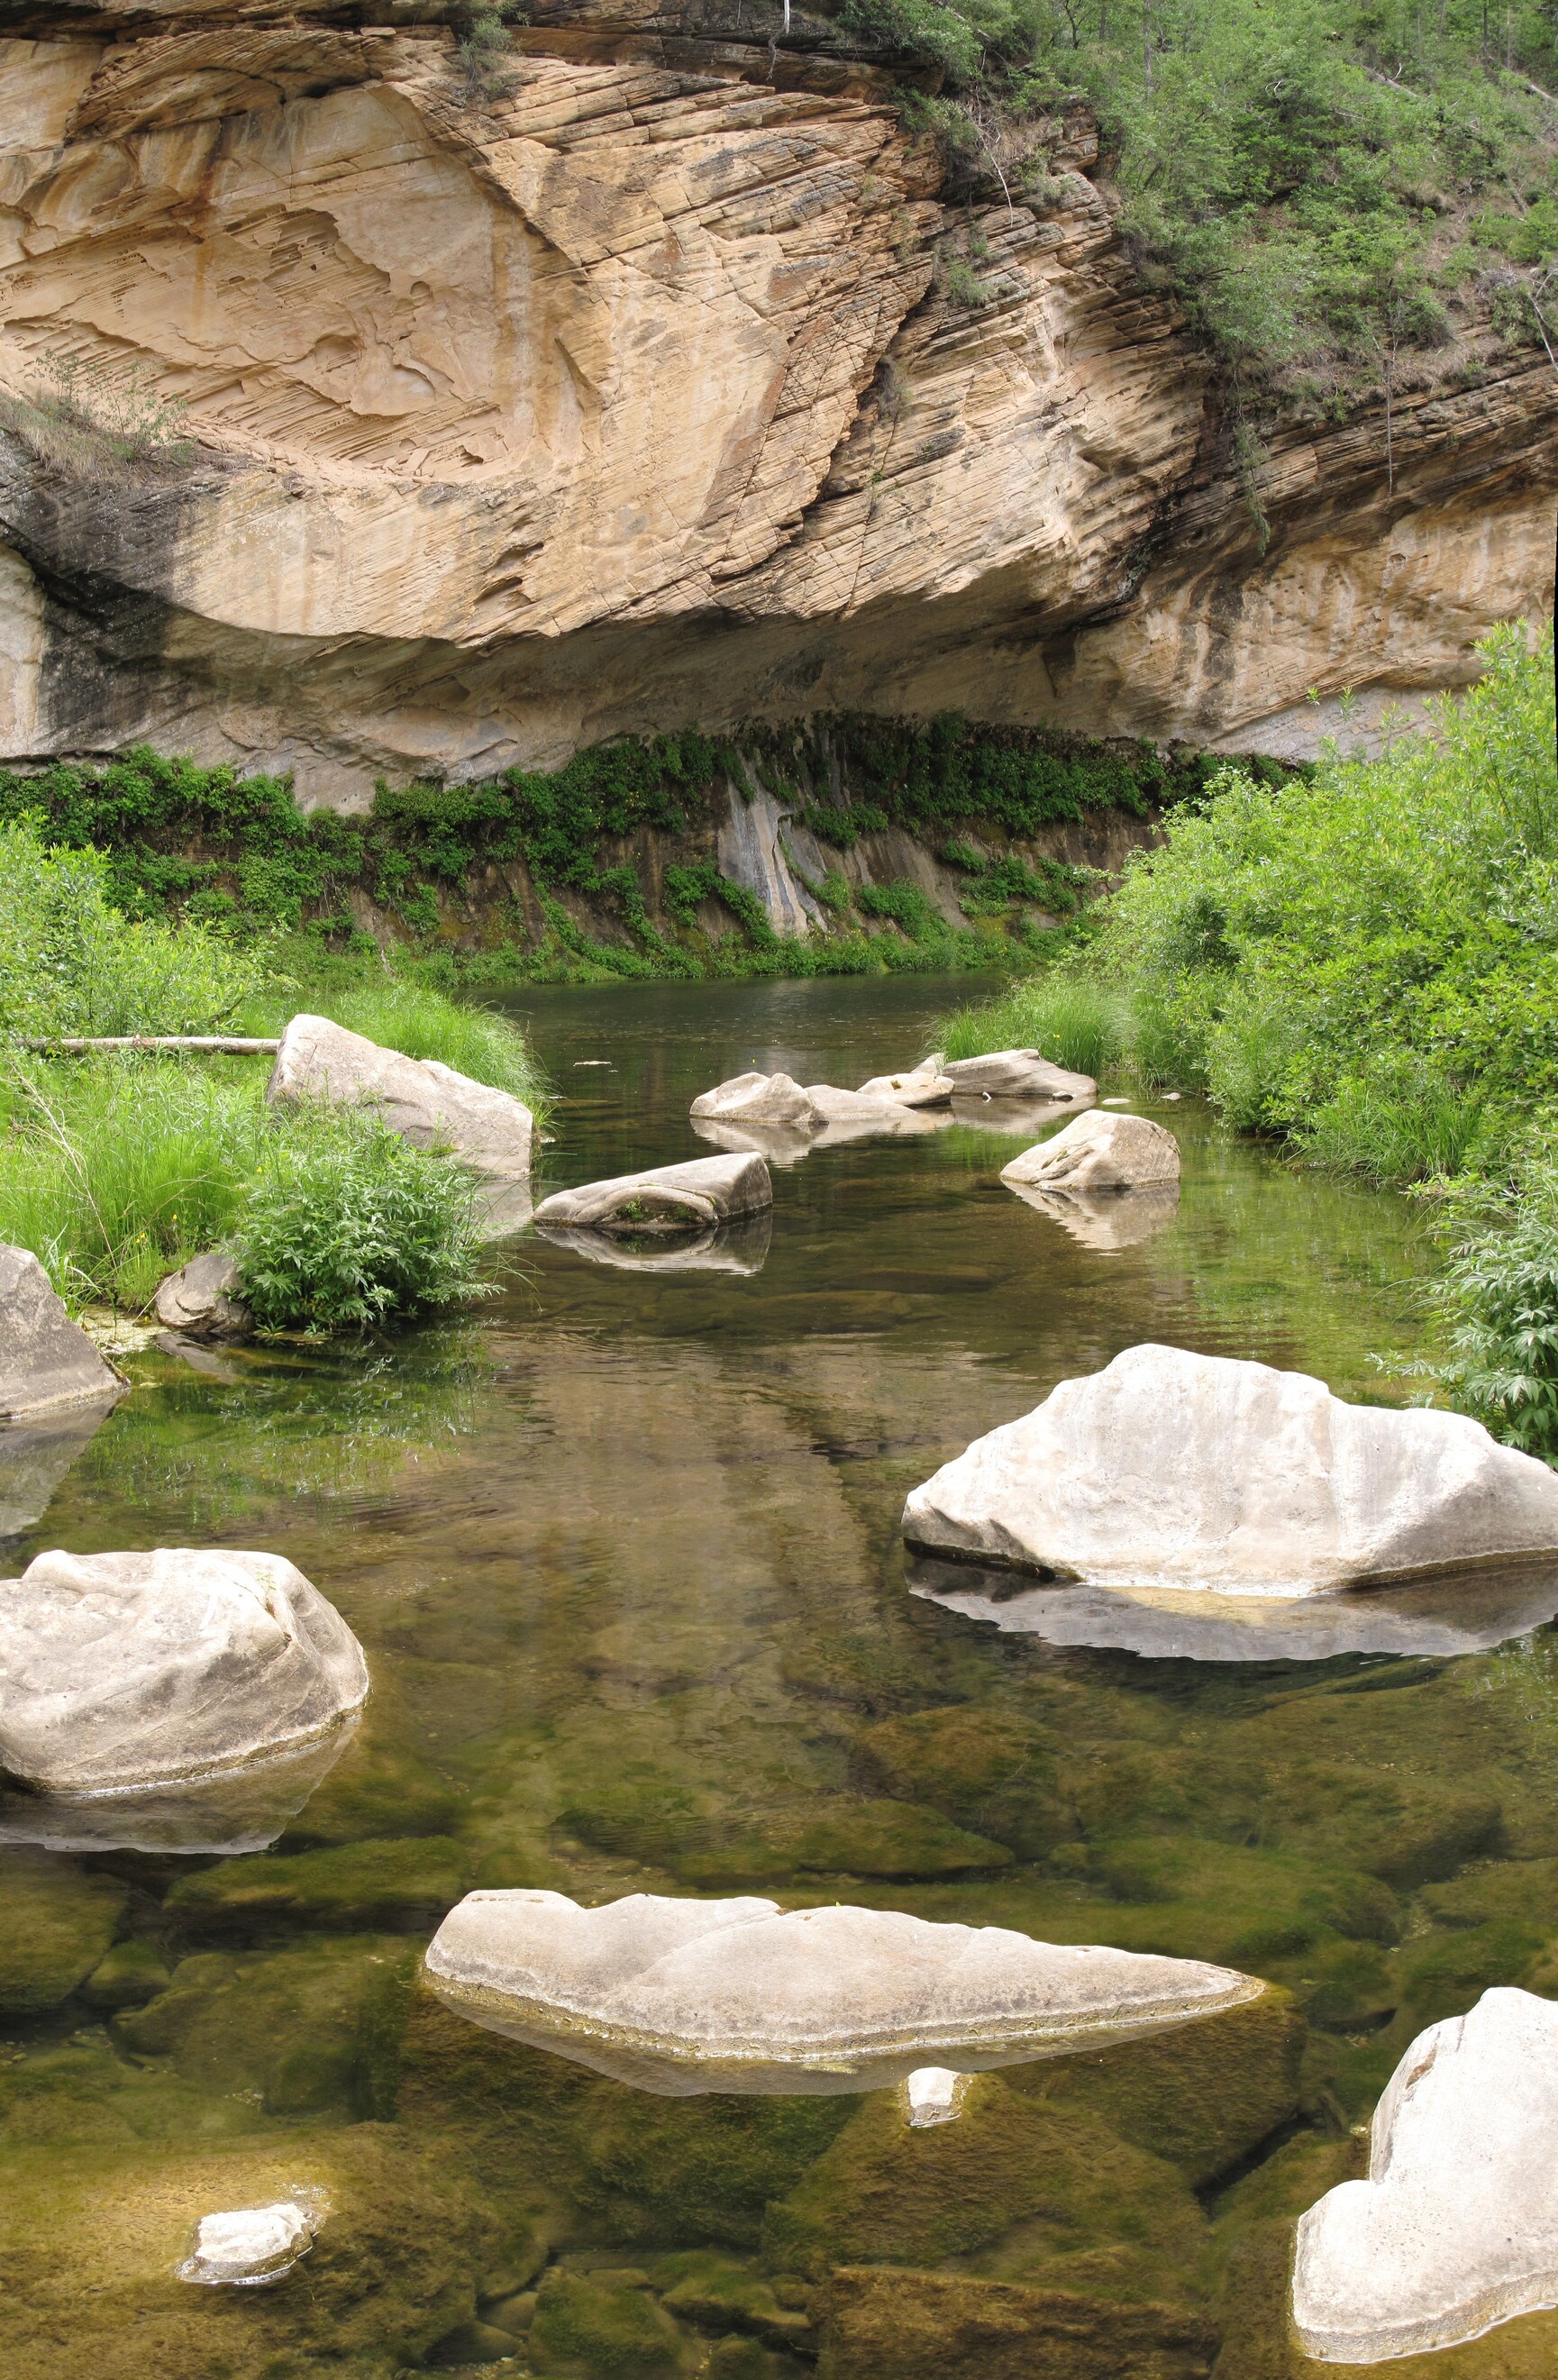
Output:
x=344 y=1225
x=1500 y=1293
x=71 y=964
x=1369 y=961
x=908 y=906
x=1072 y=1020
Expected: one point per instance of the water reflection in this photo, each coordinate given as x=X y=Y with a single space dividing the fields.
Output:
x=741 y=1247
x=1110 y=1218
x=245 y=1810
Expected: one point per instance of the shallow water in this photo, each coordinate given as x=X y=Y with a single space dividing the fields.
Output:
x=622 y=1549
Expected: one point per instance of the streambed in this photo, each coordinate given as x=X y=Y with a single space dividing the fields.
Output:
x=622 y=1549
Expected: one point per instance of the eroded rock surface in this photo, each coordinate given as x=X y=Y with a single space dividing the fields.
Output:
x=1099 y=1151
x=770 y=1100
x=47 y=1362
x=1456 y=2227
x=697 y=1197
x=627 y=399
x=1016 y=1075
x=427 y=1102
x=683 y=1997
x=1175 y=1470
x=122 y=1672
x=203 y=1301
x=922 y=1087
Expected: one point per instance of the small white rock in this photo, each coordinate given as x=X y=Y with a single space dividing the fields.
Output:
x=935 y=2095
x=249 y=2246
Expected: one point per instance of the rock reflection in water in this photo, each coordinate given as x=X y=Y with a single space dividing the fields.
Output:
x=1471 y=1612
x=220 y=1817
x=1106 y=1219
x=35 y=1456
x=739 y=1247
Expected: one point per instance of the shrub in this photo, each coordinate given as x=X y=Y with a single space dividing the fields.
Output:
x=97 y=422
x=346 y=1224
x=1073 y=1021
x=1500 y=1293
x=71 y=964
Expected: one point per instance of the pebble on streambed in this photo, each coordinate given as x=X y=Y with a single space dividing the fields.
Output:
x=250 y=2247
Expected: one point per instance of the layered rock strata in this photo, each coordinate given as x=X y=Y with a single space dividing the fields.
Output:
x=631 y=395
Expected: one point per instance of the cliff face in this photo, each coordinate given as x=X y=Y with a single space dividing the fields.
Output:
x=628 y=397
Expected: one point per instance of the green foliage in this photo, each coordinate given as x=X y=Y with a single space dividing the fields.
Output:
x=1369 y=961
x=1314 y=181
x=482 y=53
x=71 y=964
x=94 y=421
x=1073 y=1020
x=907 y=907
x=419 y=1021
x=344 y=1225
x=1500 y=1293
x=114 y=1171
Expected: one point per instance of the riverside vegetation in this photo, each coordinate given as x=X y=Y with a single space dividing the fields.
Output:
x=118 y=1167
x=1364 y=962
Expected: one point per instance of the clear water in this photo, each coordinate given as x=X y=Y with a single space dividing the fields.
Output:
x=622 y=1549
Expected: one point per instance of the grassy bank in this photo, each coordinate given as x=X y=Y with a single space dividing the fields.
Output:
x=117 y=1168
x=541 y=876
x=1365 y=965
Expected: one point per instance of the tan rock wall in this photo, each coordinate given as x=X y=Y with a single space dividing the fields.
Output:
x=628 y=399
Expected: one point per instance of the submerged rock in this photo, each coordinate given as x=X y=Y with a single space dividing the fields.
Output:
x=1016 y=1075
x=1172 y=1470
x=1099 y=1150
x=1456 y=2227
x=46 y=1360
x=59 y=1924
x=423 y=1100
x=202 y=1300
x=919 y=2325
x=250 y=2247
x=697 y=1197
x=1431 y=1617
x=683 y=1996
x=754 y=1098
x=932 y=2095
x=241 y=1810
x=128 y=1670
x=738 y=1247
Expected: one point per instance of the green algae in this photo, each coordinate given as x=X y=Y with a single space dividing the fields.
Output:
x=886 y=2325
x=59 y=1923
x=599 y=2327
x=376 y=1885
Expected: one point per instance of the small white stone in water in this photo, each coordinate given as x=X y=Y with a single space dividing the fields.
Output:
x=935 y=2093
x=1115 y=1103
x=249 y=2246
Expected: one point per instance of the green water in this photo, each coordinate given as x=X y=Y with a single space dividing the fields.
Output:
x=622 y=1551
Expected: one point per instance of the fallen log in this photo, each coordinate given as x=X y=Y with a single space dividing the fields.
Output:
x=224 y=1045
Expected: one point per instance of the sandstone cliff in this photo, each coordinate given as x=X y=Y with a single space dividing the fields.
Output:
x=632 y=395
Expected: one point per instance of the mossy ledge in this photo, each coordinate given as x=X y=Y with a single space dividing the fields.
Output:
x=897 y=844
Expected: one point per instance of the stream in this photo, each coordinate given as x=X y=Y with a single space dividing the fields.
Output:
x=622 y=1548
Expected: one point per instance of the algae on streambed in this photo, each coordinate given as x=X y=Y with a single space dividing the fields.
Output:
x=623 y=1553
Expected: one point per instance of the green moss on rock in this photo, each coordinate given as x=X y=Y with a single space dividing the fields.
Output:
x=58 y=1924
x=1061 y=2183
x=406 y=1885
x=993 y=1771
x=599 y=2327
x=884 y=2325
x=132 y=1973
x=719 y=2294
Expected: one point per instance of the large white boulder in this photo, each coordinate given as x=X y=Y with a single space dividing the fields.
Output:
x=924 y=1085
x=1168 y=1469
x=682 y=1997
x=1099 y=1150
x=696 y=1196
x=118 y=1671
x=423 y=1100
x=771 y=1101
x=1016 y=1075
x=1456 y=2227
x=46 y=1361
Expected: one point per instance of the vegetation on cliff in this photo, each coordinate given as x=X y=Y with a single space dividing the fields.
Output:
x=1326 y=187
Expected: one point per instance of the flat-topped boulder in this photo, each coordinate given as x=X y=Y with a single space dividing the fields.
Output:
x=924 y=1085
x=697 y=1197
x=1170 y=1469
x=1456 y=2227
x=1099 y=1150
x=1016 y=1075
x=119 y=1671
x=47 y=1362
x=425 y=1101
x=771 y=1101
x=202 y=1299
x=683 y=1997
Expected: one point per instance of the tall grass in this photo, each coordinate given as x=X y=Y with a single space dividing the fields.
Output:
x=421 y=1022
x=1070 y=1019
